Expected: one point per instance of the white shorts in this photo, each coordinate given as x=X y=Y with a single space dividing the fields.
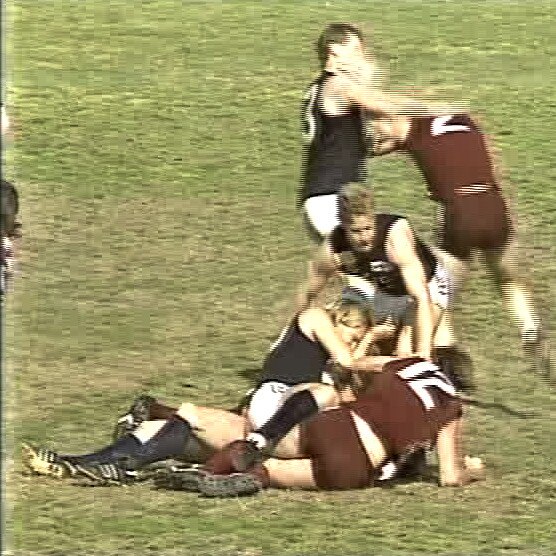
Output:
x=400 y=308
x=266 y=401
x=321 y=214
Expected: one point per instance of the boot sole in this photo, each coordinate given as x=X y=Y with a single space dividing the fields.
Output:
x=188 y=480
x=225 y=486
x=38 y=466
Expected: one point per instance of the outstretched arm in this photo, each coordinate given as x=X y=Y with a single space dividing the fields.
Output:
x=455 y=470
x=401 y=250
x=359 y=82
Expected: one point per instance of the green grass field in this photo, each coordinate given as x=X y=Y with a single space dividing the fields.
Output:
x=157 y=153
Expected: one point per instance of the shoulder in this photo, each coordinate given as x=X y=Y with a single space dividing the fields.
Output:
x=313 y=86
x=399 y=225
x=392 y=223
x=400 y=239
x=311 y=319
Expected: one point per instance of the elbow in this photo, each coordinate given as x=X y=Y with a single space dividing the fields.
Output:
x=345 y=361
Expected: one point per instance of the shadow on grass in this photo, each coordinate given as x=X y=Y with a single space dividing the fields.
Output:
x=500 y=407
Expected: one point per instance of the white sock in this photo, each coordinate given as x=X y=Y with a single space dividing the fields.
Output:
x=388 y=471
x=258 y=439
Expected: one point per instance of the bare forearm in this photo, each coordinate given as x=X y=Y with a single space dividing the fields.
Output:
x=371 y=363
x=424 y=327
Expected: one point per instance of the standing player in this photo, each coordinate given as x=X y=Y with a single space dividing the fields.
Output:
x=453 y=156
x=333 y=131
x=334 y=112
x=382 y=250
x=411 y=405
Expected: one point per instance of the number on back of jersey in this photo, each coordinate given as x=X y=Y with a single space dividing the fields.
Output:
x=308 y=115
x=423 y=376
x=446 y=124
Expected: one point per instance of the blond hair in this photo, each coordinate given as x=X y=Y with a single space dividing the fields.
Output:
x=350 y=312
x=355 y=200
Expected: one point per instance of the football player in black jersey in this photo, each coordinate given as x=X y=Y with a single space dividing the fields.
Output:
x=392 y=265
x=341 y=334
x=334 y=111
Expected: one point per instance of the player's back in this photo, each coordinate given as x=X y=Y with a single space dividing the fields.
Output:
x=451 y=152
x=408 y=403
x=294 y=358
x=335 y=148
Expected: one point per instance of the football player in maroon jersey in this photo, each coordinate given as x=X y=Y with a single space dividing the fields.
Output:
x=452 y=153
x=412 y=405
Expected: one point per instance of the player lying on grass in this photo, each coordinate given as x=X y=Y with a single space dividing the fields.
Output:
x=410 y=405
x=292 y=380
x=452 y=153
x=395 y=270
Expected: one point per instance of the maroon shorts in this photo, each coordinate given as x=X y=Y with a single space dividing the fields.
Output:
x=338 y=458
x=477 y=221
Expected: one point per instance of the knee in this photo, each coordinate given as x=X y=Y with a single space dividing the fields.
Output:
x=324 y=395
x=188 y=411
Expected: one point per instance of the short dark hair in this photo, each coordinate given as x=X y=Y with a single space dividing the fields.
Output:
x=335 y=33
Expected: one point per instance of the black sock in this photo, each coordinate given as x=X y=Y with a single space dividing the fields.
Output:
x=170 y=441
x=295 y=409
x=125 y=446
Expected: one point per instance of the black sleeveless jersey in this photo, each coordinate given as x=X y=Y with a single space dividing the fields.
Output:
x=294 y=358
x=334 y=146
x=374 y=265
